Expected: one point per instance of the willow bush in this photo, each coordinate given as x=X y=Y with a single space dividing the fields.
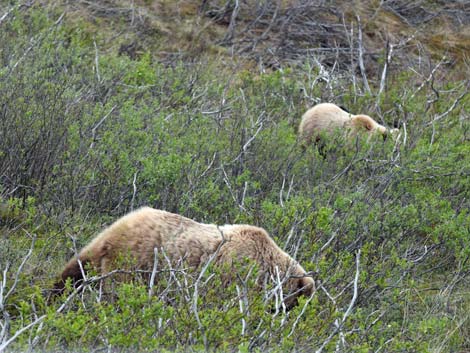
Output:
x=88 y=135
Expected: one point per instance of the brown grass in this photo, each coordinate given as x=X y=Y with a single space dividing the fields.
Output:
x=188 y=29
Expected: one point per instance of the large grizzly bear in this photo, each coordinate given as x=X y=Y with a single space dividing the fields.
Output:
x=328 y=117
x=139 y=232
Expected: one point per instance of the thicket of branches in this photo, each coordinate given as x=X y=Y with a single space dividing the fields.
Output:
x=275 y=32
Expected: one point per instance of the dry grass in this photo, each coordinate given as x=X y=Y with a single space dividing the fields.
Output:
x=276 y=34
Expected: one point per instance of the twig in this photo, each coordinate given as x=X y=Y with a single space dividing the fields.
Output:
x=97 y=66
x=41 y=318
x=361 y=59
x=451 y=108
x=3 y=297
x=93 y=131
x=345 y=170
x=259 y=123
x=227 y=182
x=80 y=265
x=350 y=39
x=245 y=188
x=6 y=316
x=405 y=134
x=281 y=202
x=383 y=79
x=154 y=271
x=240 y=304
x=300 y=315
x=450 y=334
x=281 y=192
x=196 y=286
x=33 y=43
x=5 y=15
x=356 y=281
x=134 y=186
x=277 y=291
x=339 y=325
x=20 y=268
x=245 y=146
x=231 y=28
x=333 y=236
x=429 y=78
x=172 y=276
x=20 y=331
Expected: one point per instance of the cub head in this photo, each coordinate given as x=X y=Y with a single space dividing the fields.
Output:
x=365 y=122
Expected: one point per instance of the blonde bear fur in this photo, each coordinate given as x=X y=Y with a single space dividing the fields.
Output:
x=139 y=232
x=327 y=117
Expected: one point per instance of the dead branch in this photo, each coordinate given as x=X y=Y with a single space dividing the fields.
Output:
x=93 y=131
x=154 y=271
x=198 y=281
x=134 y=187
x=231 y=28
x=389 y=51
x=97 y=66
x=5 y=325
x=339 y=325
x=430 y=77
x=451 y=108
x=360 y=48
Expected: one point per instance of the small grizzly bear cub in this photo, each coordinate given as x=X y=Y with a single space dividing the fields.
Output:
x=138 y=233
x=328 y=117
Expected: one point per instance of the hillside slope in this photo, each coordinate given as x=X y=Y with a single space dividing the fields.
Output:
x=193 y=107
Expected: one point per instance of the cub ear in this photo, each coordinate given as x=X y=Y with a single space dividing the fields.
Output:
x=367 y=123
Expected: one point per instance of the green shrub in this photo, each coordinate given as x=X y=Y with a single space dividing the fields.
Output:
x=82 y=144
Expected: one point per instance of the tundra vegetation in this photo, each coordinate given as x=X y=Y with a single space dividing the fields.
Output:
x=193 y=107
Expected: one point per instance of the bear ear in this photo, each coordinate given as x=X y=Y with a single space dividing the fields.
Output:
x=367 y=124
x=363 y=121
x=307 y=284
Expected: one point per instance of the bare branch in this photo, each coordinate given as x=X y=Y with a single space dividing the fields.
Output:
x=97 y=65
x=361 y=55
x=134 y=186
x=231 y=28
x=154 y=270
x=339 y=325
x=4 y=345
x=198 y=280
x=302 y=312
x=34 y=42
x=383 y=78
x=451 y=108
x=430 y=77
x=93 y=131
x=240 y=303
x=355 y=293
x=20 y=268
x=5 y=15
